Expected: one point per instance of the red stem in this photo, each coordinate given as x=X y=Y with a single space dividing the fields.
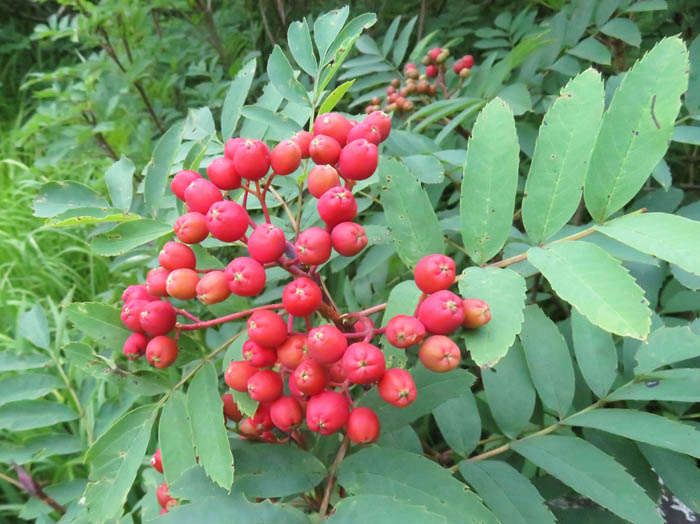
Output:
x=261 y=198
x=227 y=318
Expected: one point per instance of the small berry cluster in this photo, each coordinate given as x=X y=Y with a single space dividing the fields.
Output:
x=463 y=66
x=166 y=501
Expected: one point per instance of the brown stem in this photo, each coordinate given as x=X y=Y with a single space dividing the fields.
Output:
x=330 y=479
x=214 y=38
x=268 y=32
x=124 y=39
x=29 y=485
x=421 y=19
x=156 y=23
x=280 y=11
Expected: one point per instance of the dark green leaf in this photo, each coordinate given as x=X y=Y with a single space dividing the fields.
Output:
x=58 y=197
x=119 y=178
x=129 y=235
x=679 y=473
x=30 y=414
x=678 y=385
x=666 y=345
x=402 y=42
x=282 y=77
x=384 y=509
x=175 y=438
x=459 y=423
x=99 y=321
x=27 y=386
x=595 y=353
x=623 y=29
x=403 y=300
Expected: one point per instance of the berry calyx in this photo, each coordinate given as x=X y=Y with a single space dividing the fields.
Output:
x=348 y=238
x=434 y=272
x=175 y=256
x=441 y=313
x=227 y=221
x=161 y=351
x=397 y=387
x=265 y=386
x=439 y=353
x=476 y=313
x=301 y=297
x=245 y=276
x=267 y=328
x=363 y=363
x=266 y=243
x=326 y=344
x=238 y=373
x=313 y=247
x=321 y=179
x=363 y=426
x=403 y=331
x=327 y=412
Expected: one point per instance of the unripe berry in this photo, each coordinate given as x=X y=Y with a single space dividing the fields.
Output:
x=161 y=352
x=397 y=387
x=135 y=346
x=258 y=355
x=227 y=221
x=181 y=180
x=285 y=157
x=286 y=414
x=155 y=282
x=409 y=67
x=364 y=131
x=158 y=318
x=191 y=228
x=434 y=272
x=348 y=238
x=337 y=205
x=157 y=462
x=431 y=71
x=363 y=426
x=266 y=243
x=245 y=276
x=358 y=160
x=247 y=429
x=400 y=102
x=267 y=328
x=476 y=313
x=175 y=256
x=182 y=284
x=231 y=146
x=390 y=90
x=464 y=73
x=137 y=292
x=222 y=173
x=212 y=288
x=303 y=139
x=310 y=377
x=265 y=386
x=434 y=53
x=363 y=363
x=292 y=351
x=439 y=353
x=131 y=314
x=200 y=195
x=441 y=313
x=444 y=54
x=327 y=412
x=375 y=101
x=468 y=61
x=408 y=106
x=252 y=159
x=403 y=331
x=231 y=410
x=324 y=150
x=301 y=297
x=381 y=121
x=313 y=246
x=396 y=82
x=333 y=125
x=238 y=373
x=326 y=344
x=457 y=66
x=321 y=179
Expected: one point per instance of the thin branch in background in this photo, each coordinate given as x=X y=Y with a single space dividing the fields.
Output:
x=330 y=479
x=156 y=23
x=125 y=40
x=266 y=25
x=99 y=137
x=421 y=19
x=213 y=38
x=280 y=11
x=27 y=483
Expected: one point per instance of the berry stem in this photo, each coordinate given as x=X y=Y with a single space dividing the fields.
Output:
x=187 y=314
x=261 y=198
x=369 y=311
x=331 y=477
x=227 y=318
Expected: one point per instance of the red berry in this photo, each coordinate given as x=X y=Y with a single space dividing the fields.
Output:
x=247 y=429
x=155 y=282
x=227 y=221
x=333 y=125
x=321 y=179
x=457 y=66
x=434 y=272
x=158 y=318
x=313 y=246
x=238 y=373
x=296 y=392
x=336 y=372
x=348 y=238
x=135 y=346
x=181 y=180
x=258 y=355
x=261 y=421
x=476 y=313
x=326 y=344
x=137 y=292
x=441 y=313
x=358 y=160
x=365 y=131
x=286 y=414
x=182 y=284
x=201 y=194
x=213 y=288
x=223 y=174
x=431 y=71
x=161 y=352
x=157 y=462
x=468 y=61
x=265 y=386
x=324 y=150
x=363 y=363
x=439 y=353
x=301 y=297
x=292 y=351
x=337 y=205
x=164 y=498
x=363 y=426
x=381 y=121
x=267 y=328
x=327 y=412
x=403 y=331
x=245 y=276
x=231 y=410
x=252 y=159
x=310 y=377
x=266 y=243
x=191 y=228
x=131 y=314
x=285 y=157
x=303 y=139
x=231 y=146
x=408 y=67
x=175 y=256
x=434 y=53
x=397 y=387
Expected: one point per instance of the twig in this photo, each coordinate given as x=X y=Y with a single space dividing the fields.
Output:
x=421 y=20
x=330 y=479
x=268 y=32
x=29 y=485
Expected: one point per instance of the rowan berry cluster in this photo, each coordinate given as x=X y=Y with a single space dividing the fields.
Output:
x=403 y=94
x=297 y=372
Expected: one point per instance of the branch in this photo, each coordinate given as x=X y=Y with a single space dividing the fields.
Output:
x=222 y=320
x=330 y=479
x=29 y=485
